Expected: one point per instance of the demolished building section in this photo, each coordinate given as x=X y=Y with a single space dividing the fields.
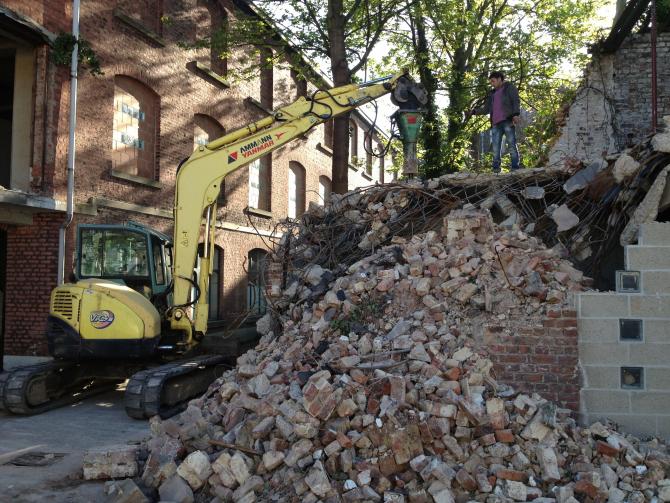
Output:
x=377 y=389
x=382 y=373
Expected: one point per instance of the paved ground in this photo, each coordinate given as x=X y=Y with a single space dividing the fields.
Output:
x=94 y=422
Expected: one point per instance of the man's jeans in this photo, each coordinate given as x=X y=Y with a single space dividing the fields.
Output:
x=505 y=128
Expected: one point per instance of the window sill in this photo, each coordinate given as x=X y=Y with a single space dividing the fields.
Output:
x=254 y=102
x=137 y=26
x=258 y=212
x=147 y=182
x=353 y=167
x=208 y=74
x=325 y=149
x=367 y=176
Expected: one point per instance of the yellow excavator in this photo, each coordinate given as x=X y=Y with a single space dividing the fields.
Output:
x=138 y=309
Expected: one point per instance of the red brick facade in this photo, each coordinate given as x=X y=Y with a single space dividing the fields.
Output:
x=540 y=359
x=130 y=46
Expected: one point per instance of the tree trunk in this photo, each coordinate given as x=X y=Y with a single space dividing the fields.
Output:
x=341 y=76
x=431 y=135
x=457 y=101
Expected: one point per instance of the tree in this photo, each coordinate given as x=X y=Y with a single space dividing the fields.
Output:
x=528 y=39
x=341 y=32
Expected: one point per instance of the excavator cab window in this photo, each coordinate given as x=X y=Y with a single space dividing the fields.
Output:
x=113 y=254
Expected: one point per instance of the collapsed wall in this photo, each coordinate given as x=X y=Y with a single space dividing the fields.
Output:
x=371 y=383
x=612 y=108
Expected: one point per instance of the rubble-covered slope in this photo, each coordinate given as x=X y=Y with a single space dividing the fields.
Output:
x=371 y=385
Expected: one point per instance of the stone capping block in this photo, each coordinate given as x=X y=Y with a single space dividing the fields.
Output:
x=208 y=74
x=647 y=258
x=603 y=305
x=139 y=27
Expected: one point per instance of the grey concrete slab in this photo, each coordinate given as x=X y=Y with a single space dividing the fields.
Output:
x=603 y=305
x=594 y=330
x=95 y=422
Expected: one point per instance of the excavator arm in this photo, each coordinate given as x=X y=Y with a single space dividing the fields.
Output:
x=200 y=177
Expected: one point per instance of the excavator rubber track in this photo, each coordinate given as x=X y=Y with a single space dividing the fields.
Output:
x=166 y=390
x=34 y=389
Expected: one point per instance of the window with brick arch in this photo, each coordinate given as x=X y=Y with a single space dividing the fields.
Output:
x=205 y=129
x=325 y=188
x=135 y=128
x=147 y=12
x=368 y=153
x=296 y=189
x=257 y=261
x=353 y=143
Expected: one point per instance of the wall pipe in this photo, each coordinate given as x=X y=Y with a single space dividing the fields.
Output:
x=71 y=143
x=654 y=79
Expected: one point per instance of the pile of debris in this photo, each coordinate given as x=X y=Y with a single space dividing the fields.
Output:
x=589 y=210
x=376 y=389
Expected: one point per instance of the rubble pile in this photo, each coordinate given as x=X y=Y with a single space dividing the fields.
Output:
x=588 y=209
x=377 y=389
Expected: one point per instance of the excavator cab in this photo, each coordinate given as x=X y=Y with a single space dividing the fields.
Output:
x=121 y=287
x=128 y=254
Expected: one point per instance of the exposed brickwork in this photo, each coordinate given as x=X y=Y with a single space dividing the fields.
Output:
x=32 y=258
x=612 y=109
x=169 y=74
x=542 y=359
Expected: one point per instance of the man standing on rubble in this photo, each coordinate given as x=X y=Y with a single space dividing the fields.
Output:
x=502 y=105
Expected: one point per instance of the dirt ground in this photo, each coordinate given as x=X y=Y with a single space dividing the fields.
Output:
x=66 y=434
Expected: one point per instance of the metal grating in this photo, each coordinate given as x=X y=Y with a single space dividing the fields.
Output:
x=62 y=304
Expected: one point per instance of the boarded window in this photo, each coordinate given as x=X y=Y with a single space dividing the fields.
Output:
x=296 y=190
x=257 y=261
x=353 y=142
x=325 y=188
x=135 y=128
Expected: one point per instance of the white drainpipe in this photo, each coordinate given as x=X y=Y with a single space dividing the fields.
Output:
x=71 y=144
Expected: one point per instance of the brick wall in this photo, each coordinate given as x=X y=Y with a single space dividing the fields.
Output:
x=32 y=258
x=539 y=359
x=612 y=109
x=163 y=68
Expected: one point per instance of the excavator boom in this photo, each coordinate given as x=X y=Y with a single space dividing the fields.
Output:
x=199 y=178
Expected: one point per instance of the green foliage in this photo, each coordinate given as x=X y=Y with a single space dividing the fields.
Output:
x=531 y=41
x=63 y=46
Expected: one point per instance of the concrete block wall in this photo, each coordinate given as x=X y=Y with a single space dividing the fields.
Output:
x=602 y=353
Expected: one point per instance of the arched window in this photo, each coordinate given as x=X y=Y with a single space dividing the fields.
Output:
x=257 y=261
x=368 y=153
x=205 y=129
x=135 y=128
x=296 y=189
x=216 y=285
x=353 y=143
x=325 y=188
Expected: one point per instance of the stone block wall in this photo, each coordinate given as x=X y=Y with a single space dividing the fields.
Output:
x=612 y=109
x=610 y=357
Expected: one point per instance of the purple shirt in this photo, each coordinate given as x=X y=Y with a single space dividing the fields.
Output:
x=497 y=111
